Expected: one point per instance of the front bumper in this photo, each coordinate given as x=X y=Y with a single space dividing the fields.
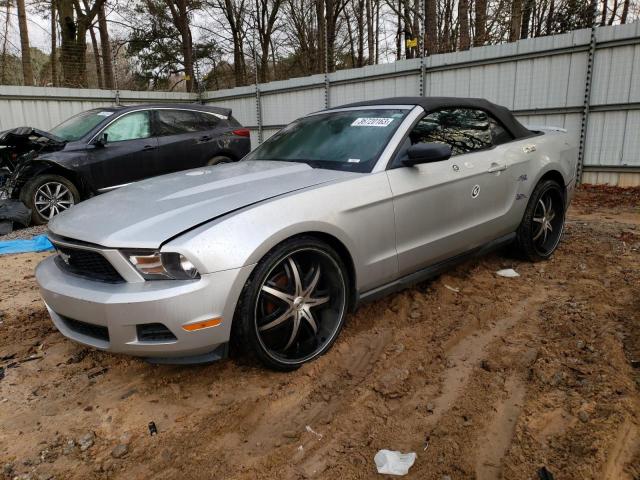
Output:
x=107 y=316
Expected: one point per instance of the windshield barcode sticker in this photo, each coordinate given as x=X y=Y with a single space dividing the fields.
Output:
x=372 y=122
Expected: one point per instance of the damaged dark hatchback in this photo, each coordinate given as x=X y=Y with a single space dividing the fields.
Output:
x=106 y=148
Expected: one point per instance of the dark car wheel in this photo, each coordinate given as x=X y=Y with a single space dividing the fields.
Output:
x=543 y=223
x=293 y=307
x=48 y=195
x=218 y=160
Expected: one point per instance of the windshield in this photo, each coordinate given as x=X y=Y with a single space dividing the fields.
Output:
x=348 y=140
x=79 y=125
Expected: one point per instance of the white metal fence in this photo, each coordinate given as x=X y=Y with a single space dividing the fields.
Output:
x=543 y=80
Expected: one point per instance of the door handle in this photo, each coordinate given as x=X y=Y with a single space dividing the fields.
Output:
x=149 y=147
x=496 y=167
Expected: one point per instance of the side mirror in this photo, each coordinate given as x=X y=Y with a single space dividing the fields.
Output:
x=101 y=141
x=427 y=153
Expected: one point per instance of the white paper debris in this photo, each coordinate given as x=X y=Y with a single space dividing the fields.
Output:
x=311 y=430
x=390 y=462
x=508 y=273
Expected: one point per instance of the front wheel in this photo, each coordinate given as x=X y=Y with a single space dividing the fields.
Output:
x=47 y=196
x=293 y=307
x=543 y=223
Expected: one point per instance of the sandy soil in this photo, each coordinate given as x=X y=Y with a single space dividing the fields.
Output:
x=495 y=380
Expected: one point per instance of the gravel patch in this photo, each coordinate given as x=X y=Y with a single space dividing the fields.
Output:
x=24 y=233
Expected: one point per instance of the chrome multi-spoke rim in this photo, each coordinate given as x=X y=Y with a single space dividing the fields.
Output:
x=300 y=305
x=51 y=198
x=548 y=221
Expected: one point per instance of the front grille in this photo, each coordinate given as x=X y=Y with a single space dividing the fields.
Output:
x=154 y=332
x=89 y=329
x=87 y=263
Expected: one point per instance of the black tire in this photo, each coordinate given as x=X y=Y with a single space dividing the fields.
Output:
x=542 y=225
x=218 y=159
x=258 y=325
x=31 y=195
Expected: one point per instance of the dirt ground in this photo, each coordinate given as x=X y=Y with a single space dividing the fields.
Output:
x=483 y=377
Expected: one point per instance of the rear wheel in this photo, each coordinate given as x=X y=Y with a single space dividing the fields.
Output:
x=293 y=307
x=543 y=223
x=47 y=196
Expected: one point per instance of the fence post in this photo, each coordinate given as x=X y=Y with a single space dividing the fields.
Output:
x=258 y=102
x=587 y=93
x=421 y=49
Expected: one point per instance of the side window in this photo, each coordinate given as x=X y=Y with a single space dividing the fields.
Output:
x=175 y=122
x=131 y=126
x=464 y=129
x=208 y=122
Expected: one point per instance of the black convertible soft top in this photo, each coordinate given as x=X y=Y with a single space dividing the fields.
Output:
x=430 y=104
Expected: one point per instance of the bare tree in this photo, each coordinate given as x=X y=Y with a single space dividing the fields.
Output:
x=105 y=46
x=54 y=39
x=480 y=23
x=516 y=20
x=235 y=14
x=463 y=19
x=5 y=40
x=74 y=23
x=431 y=27
x=27 y=70
x=265 y=17
x=180 y=13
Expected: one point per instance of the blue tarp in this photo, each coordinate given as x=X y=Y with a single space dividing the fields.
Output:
x=39 y=243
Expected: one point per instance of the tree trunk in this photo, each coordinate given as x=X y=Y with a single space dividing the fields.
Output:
x=516 y=20
x=603 y=20
x=526 y=18
x=431 y=27
x=551 y=14
x=399 y=32
x=614 y=11
x=377 y=38
x=480 y=23
x=105 y=45
x=27 y=70
x=54 y=40
x=73 y=47
x=352 y=50
x=370 y=46
x=463 y=18
x=96 y=56
x=625 y=11
x=3 y=66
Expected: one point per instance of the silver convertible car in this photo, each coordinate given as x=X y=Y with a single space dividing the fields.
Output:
x=270 y=253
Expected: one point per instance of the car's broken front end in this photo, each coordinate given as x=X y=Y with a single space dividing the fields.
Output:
x=19 y=147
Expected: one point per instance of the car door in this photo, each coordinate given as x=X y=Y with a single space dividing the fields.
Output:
x=129 y=153
x=448 y=207
x=185 y=138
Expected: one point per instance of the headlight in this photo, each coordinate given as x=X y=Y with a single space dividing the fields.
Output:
x=163 y=266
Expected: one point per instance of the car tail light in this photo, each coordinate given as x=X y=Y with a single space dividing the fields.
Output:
x=242 y=132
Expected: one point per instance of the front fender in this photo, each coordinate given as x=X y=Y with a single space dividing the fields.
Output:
x=358 y=213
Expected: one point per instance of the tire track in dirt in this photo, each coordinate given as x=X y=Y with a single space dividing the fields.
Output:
x=625 y=447
x=499 y=433
x=470 y=348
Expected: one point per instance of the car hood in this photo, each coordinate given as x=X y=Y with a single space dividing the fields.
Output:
x=148 y=213
x=29 y=136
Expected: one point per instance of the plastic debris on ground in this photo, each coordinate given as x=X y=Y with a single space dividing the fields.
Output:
x=13 y=212
x=453 y=289
x=507 y=273
x=390 y=462
x=39 y=243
